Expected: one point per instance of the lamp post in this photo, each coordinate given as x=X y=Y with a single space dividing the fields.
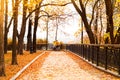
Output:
x=81 y=31
x=56 y=28
x=47 y=33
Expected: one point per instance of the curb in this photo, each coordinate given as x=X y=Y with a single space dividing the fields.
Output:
x=23 y=69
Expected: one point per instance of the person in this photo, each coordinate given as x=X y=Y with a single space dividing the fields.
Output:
x=56 y=45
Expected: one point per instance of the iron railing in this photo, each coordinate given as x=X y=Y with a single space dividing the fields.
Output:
x=106 y=56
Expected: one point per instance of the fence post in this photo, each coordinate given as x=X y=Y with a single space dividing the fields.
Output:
x=83 y=51
x=92 y=53
x=119 y=62
x=106 y=57
x=80 y=49
x=98 y=55
x=88 y=52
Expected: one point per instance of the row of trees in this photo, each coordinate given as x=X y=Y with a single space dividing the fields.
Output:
x=99 y=7
x=33 y=10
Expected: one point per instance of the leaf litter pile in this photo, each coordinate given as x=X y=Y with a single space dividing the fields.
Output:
x=59 y=65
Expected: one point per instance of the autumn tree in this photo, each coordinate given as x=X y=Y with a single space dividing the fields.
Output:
x=15 y=5
x=7 y=26
x=23 y=28
x=35 y=27
x=36 y=19
x=2 y=65
x=6 y=22
x=37 y=10
x=109 y=14
x=81 y=9
x=29 y=35
x=25 y=17
x=30 y=23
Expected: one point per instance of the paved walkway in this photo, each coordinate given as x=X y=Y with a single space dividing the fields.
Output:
x=59 y=66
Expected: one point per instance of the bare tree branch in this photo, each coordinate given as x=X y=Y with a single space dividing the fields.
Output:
x=76 y=7
x=18 y=34
x=86 y=2
x=93 y=11
x=82 y=6
x=47 y=5
x=55 y=4
x=44 y=12
x=45 y=16
x=34 y=10
x=9 y=23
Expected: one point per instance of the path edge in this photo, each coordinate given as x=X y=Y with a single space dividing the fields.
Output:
x=25 y=67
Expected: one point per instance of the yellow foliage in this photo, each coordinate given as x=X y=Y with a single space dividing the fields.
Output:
x=106 y=35
x=9 y=41
x=115 y=32
x=116 y=19
x=117 y=0
x=77 y=33
x=41 y=41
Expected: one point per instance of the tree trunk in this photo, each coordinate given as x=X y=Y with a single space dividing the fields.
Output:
x=36 y=24
x=14 y=46
x=5 y=28
x=5 y=41
x=29 y=36
x=100 y=34
x=96 y=25
x=109 y=13
x=82 y=13
x=35 y=28
x=23 y=28
x=20 y=45
x=6 y=34
x=88 y=29
x=2 y=65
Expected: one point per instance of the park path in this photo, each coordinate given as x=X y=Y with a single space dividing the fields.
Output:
x=59 y=66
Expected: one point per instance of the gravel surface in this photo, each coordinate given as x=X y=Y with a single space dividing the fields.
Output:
x=59 y=66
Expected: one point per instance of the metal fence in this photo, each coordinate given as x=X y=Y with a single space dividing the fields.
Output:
x=106 y=56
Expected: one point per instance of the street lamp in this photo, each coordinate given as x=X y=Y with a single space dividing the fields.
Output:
x=47 y=33
x=56 y=28
x=81 y=31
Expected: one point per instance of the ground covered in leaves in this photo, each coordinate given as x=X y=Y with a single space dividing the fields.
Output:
x=22 y=61
x=90 y=69
x=53 y=65
x=59 y=65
